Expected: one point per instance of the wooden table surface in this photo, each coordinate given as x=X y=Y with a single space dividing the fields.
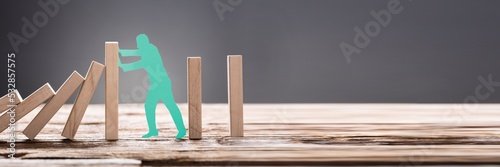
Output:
x=276 y=134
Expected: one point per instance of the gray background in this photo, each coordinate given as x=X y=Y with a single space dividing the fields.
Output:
x=433 y=51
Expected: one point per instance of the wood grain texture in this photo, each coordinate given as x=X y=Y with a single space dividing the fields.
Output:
x=235 y=94
x=50 y=109
x=82 y=100
x=12 y=98
x=111 y=86
x=283 y=134
x=72 y=162
x=194 y=97
x=38 y=97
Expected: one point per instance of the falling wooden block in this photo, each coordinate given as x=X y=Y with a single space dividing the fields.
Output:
x=235 y=94
x=31 y=102
x=111 y=101
x=12 y=98
x=194 y=97
x=49 y=110
x=82 y=100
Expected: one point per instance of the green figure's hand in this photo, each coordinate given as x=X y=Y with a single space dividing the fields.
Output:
x=119 y=61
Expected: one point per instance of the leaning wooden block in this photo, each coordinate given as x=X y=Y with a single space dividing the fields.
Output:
x=49 y=110
x=194 y=97
x=31 y=102
x=235 y=94
x=111 y=101
x=82 y=100
x=12 y=98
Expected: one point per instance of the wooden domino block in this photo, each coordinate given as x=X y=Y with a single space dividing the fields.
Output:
x=82 y=100
x=194 y=97
x=31 y=102
x=235 y=94
x=12 y=98
x=49 y=110
x=111 y=101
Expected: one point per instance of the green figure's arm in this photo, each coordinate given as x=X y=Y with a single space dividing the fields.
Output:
x=126 y=52
x=132 y=66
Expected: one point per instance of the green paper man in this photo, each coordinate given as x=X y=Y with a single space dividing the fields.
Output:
x=160 y=85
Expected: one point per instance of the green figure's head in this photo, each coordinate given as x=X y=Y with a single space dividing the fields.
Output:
x=142 y=41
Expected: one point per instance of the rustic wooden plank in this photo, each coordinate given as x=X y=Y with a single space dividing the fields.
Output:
x=71 y=162
x=194 y=97
x=82 y=100
x=38 y=97
x=12 y=98
x=49 y=110
x=111 y=101
x=287 y=134
x=235 y=94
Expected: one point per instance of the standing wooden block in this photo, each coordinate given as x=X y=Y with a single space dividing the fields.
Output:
x=235 y=94
x=83 y=100
x=31 y=102
x=7 y=100
x=111 y=90
x=49 y=110
x=194 y=97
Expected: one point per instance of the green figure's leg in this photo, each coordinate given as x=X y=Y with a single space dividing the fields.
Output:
x=169 y=102
x=150 y=107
